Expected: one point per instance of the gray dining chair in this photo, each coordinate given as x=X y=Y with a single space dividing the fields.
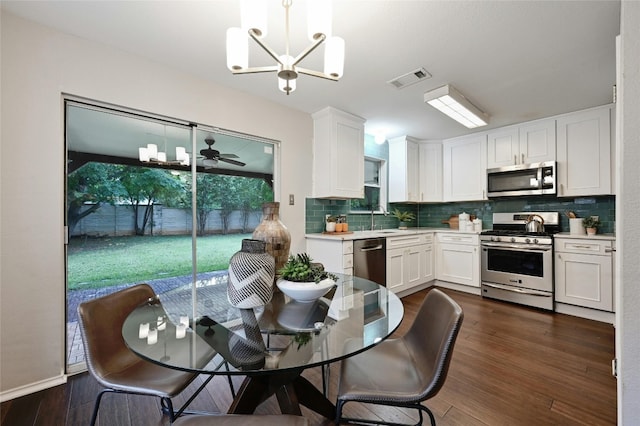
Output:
x=241 y=420
x=114 y=365
x=406 y=371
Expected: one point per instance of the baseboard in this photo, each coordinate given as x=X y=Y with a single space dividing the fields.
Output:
x=32 y=388
x=457 y=287
x=592 y=314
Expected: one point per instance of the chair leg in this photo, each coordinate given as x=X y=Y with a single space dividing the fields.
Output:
x=96 y=406
x=348 y=420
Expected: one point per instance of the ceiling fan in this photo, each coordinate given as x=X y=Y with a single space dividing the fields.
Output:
x=212 y=156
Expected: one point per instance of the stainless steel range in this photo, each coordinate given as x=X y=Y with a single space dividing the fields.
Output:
x=517 y=263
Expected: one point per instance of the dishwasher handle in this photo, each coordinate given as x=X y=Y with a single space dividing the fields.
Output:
x=378 y=247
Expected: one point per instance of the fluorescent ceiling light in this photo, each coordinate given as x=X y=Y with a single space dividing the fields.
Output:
x=452 y=103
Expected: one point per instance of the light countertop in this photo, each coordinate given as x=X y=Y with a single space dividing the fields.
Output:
x=610 y=237
x=383 y=233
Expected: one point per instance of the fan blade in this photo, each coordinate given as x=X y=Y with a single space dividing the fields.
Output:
x=228 y=156
x=234 y=162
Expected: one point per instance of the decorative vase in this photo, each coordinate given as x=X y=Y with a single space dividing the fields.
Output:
x=251 y=275
x=592 y=231
x=273 y=232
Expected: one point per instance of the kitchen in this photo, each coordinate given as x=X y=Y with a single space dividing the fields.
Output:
x=427 y=248
x=119 y=83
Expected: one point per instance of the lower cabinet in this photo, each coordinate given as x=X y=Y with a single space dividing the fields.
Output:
x=335 y=255
x=584 y=273
x=409 y=261
x=458 y=258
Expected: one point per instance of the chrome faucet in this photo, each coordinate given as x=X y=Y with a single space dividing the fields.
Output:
x=373 y=226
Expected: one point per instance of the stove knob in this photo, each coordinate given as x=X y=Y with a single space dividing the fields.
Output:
x=513 y=240
x=527 y=240
x=535 y=241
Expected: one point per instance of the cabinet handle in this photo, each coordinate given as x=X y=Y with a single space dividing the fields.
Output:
x=523 y=158
x=580 y=246
x=609 y=250
x=561 y=189
x=515 y=160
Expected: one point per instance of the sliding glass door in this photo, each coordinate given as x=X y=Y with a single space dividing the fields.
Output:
x=154 y=200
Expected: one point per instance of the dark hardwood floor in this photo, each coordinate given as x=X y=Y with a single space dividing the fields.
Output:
x=511 y=366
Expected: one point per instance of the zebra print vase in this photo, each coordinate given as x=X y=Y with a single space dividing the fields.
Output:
x=251 y=274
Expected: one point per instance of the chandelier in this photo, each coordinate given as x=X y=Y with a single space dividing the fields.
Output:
x=254 y=25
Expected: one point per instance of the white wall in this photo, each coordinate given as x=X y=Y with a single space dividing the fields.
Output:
x=627 y=208
x=38 y=65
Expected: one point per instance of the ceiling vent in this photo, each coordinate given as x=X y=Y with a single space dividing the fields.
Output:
x=409 y=78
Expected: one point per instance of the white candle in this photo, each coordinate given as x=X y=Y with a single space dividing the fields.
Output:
x=152 y=338
x=162 y=324
x=181 y=331
x=143 y=332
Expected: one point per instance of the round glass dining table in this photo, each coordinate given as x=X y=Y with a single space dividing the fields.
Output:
x=195 y=328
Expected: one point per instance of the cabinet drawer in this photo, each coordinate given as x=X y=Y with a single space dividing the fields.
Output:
x=347 y=247
x=451 y=238
x=583 y=246
x=404 y=241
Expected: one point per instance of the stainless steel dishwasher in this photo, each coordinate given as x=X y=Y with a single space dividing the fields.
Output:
x=370 y=259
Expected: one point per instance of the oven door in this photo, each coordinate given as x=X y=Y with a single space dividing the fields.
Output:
x=520 y=265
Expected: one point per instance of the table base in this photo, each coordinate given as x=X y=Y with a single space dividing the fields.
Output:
x=290 y=389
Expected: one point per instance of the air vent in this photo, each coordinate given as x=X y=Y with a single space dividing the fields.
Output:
x=410 y=78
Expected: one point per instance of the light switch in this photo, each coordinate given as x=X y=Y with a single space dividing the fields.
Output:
x=291 y=200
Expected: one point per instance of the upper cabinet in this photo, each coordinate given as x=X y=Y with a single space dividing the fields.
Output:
x=532 y=142
x=584 y=153
x=338 y=154
x=465 y=168
x=403 y=170
x=430 y=171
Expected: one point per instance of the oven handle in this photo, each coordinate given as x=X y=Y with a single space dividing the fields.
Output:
x=518 y=290
x=519 y=247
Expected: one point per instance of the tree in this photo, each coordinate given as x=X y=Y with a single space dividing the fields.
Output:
x=94 y=183
x=144 y=187
x=256 y=192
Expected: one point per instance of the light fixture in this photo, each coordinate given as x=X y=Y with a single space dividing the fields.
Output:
x=452 y=103
x=254 y=25
x=150 y=154
x=380 y=137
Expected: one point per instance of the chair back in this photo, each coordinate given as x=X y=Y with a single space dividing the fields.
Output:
x=431 y=339
x=101 y=322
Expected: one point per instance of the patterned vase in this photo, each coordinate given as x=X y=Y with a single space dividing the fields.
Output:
x=251 y=275
x=273 y=232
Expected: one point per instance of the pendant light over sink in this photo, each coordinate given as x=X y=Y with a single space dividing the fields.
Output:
x=254 y=25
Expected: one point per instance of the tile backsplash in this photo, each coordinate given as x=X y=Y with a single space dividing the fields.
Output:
x=432 y=215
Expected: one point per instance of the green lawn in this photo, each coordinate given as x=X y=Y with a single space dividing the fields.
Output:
x=107 y=261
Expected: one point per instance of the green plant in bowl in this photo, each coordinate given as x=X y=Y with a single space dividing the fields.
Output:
x=403 y=216
x=300 y=268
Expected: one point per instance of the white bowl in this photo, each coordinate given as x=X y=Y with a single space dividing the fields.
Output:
x=307 y=291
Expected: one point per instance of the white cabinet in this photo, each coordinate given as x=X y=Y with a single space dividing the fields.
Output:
x=409 y=261
x=338 y=154
x=458 y=258
x=403 y=170
x=465 y=168
x=531 y=142
x=335 y=254
x=584 y=153
x=584 y=272
x=430 y=171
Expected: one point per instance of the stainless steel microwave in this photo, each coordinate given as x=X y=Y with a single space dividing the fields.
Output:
x=522 y=179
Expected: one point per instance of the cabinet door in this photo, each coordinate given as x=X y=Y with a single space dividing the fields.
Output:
x=430 y=171
x=403 y=170
x=503 y=148
x=465 y=168
x=338 y=154
x=584 y=280
x=537 y=141
x=458 y=263
x=584 y=153
x=395 y=269
x=414 y=268
x=427 y=261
